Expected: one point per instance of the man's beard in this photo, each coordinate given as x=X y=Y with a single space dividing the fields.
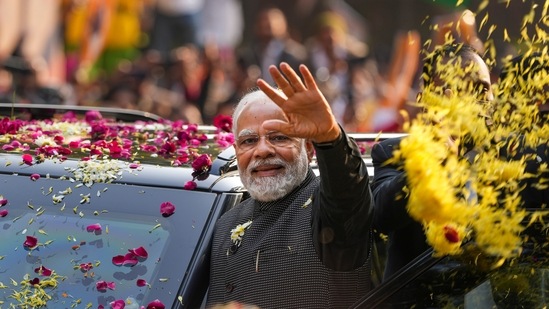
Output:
x=267 y=189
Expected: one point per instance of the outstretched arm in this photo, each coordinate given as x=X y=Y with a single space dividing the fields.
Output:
x=342 y=206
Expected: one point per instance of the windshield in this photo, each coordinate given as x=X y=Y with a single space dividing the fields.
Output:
x=112 y=246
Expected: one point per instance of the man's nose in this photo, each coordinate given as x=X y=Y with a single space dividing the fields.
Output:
x=264 y=148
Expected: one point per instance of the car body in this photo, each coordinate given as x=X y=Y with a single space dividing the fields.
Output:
x=85 y=212
x=86 y=231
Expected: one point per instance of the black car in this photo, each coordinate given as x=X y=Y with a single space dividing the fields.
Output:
x=100 y=212
x=107 y=226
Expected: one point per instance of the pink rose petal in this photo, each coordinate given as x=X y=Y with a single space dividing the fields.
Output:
x=34 y=281
x=102 y=285
x=140 y=252
x=27 y=159
x=43 y=271
x=118 y=304
x=118 y=260
x=156 y=304
x=190 y=185
x=31 y=242
x=167 y=209
x=94 y=228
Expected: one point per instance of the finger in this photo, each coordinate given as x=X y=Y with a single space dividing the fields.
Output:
x=308 y=78
x=281 y=81
x=292 y=76
x=279 y=126
x=271 y=92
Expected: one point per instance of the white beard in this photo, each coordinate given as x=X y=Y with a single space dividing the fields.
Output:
x=267 y=189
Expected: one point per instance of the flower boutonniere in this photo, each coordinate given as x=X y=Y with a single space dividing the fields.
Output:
x=238 y=232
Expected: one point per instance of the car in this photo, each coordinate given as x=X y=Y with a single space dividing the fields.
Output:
x=86 y=222
x=90 y=223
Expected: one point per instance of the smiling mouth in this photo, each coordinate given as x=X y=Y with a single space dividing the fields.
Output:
x=267 y=170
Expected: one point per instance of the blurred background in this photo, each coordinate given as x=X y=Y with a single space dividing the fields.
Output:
x=193 y=59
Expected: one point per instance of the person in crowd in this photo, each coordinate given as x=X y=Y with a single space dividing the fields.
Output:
x=176 y=23
x=30 y=29
x=458 y=26
x=22 y=84
x=86 y=25
x=332 y=54
x=300 y=240
x=272 y=44
x=406 y=238
x=385 y=115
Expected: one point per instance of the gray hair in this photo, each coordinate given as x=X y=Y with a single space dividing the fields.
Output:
x=253 y=97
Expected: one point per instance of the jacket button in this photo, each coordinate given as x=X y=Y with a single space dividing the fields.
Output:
x=233 y=249
x=229 y=287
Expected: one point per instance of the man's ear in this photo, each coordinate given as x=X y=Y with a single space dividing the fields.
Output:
x=310 y=150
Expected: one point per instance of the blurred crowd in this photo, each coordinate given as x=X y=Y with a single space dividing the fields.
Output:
x=191 y=59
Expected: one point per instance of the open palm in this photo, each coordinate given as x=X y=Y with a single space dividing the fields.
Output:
x=307 y=112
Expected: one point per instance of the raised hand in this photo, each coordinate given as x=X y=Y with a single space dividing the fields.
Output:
x=307 y=112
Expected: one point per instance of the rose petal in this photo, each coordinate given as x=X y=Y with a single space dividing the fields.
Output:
x=141 y=282
x=118 y=304
x=140 y=252
x=156 y=304
x=451 y=234
x=43 y=271
x=102 y=285
x=31 y=242
x=27 y=159
x=94 y=228
x=86 y=266
x=111 y=285
x=34 y=281
x=167 y=209
x=190 y=185
x=35 y=177
x=118 y=260
x=3 y=213
x=203 y=162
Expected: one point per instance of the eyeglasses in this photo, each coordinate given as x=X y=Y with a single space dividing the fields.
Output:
x=250 y=141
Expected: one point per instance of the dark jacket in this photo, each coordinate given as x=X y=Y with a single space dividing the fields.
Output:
x=406 y=239
x=535 y=187
x=309 y=249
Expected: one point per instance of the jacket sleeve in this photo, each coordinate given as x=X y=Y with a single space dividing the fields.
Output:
x=343 y=209
x=388 y=186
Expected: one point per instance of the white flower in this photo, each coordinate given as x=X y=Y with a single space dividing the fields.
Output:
x=44 y=141
x=238 y=232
